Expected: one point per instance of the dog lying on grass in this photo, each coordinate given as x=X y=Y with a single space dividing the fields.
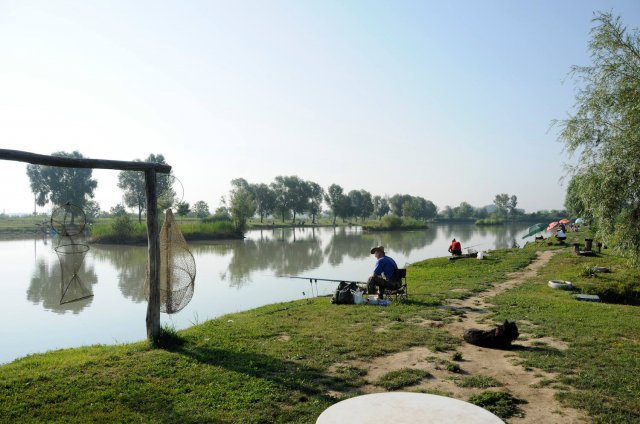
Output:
x=498 y=338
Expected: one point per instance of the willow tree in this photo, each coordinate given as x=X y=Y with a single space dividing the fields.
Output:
x=60 y=185
x=604 y=132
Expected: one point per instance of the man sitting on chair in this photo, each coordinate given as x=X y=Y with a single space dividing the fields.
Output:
x=384 y=274
x=455 y=248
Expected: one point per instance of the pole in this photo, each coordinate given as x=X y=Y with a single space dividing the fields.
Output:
x=153 y=307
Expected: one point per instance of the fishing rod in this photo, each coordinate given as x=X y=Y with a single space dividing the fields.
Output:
x=315 y=279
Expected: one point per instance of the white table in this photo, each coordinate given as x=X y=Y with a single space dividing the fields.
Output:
x=405 y=407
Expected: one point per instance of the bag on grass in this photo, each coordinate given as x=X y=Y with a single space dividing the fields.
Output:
x=343 y=293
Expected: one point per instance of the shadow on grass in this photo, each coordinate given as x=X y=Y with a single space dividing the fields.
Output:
x=287 y=374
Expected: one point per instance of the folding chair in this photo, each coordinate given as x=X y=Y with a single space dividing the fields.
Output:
x=402 y=292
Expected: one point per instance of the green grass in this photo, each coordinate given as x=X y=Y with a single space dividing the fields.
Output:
x=288 y=362
x=103 y=231
x=478 y=381
x=403 y=377
x=501 y=404
x=603 y=360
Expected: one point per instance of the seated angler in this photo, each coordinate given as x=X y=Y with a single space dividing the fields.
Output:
x=455 y=248
x=384 y=274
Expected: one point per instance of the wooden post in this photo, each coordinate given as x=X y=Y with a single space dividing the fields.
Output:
x=153 y=307
x=150 y=170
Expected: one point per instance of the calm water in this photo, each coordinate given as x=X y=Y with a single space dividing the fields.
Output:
x=231 y=276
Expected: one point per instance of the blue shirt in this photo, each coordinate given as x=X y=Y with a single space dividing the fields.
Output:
x=387 y=267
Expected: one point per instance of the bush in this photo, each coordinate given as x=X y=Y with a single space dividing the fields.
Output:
x=122 y=226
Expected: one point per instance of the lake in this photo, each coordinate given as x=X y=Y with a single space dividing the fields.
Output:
x=232 y=276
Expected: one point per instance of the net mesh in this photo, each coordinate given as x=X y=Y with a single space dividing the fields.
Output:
x=177 y=268
x=68 y=220
x=71 y=286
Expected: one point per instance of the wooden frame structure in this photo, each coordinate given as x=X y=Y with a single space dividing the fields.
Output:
x=150 y=170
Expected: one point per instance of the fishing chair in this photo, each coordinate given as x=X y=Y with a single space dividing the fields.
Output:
x=402 y=292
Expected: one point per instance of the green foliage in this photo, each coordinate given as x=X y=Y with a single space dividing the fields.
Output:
x=201 y=209
x=605 y=132
x=183 y=209
x=242 y=207
x=403 y=377
x=502 y=404
x=60 y=185
x=122 y=226
x=134 y=187
x=490 y=221
x=392 y=222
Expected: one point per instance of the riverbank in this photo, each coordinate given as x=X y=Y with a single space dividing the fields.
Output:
x=287 y=362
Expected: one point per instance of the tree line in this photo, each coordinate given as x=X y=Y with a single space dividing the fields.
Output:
x=285 y=198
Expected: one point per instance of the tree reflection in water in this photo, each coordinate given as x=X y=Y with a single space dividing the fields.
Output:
x=45 y=287
x=130 y=263
x=292 y=251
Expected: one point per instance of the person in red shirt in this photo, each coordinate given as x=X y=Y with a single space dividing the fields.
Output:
x=455 y=248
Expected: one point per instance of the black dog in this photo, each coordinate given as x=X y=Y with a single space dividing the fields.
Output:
x=498 y=338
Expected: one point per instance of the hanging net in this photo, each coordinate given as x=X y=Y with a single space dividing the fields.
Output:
x=68 y=220
x=177 y=268
x=71 y=286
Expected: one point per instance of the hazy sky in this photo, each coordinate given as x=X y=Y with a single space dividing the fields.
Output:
x=448 y=100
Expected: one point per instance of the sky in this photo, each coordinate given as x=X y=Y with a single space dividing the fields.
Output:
x=449 y=100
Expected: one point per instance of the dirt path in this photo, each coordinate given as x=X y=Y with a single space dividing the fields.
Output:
x=530 y=385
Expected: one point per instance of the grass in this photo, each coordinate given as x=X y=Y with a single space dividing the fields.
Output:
x=478 y=381
x=104 y=231
x=602 y=363
x=501 y=404
x=288 y=362
x=403 y=377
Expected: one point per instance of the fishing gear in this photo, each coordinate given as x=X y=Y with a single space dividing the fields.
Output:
x=315 y=280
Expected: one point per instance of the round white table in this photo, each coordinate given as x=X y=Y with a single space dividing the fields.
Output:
x=405 y=407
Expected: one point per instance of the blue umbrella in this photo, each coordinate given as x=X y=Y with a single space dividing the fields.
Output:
x=579 y=221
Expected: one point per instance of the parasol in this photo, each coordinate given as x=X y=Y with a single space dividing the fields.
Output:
x=579 y=221
x=534 y=229
x=564 y=221
x=552 y=225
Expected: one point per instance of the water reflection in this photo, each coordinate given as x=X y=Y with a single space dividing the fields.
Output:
x=45 y=287
x=130 y=263
x=287 y=251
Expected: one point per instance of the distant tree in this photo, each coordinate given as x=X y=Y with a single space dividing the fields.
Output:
x=282 y=200
x=133 y=185
x=201 y=209
x=380 y=206
x=366 y=204
x=221 y=214
x=511 y=205
x=448 y=212
x=605 y=132
x=265 y=199
x=355 y=204
x=118 y=210
x=61 y=185
x=316 y=195
x=502 y=204
x=242 y=207
x=397 y=202
x=336 y=200
x=297 y=191
x=464 y=211
x=92 y=210
x=183 y=208
x=240 y=183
